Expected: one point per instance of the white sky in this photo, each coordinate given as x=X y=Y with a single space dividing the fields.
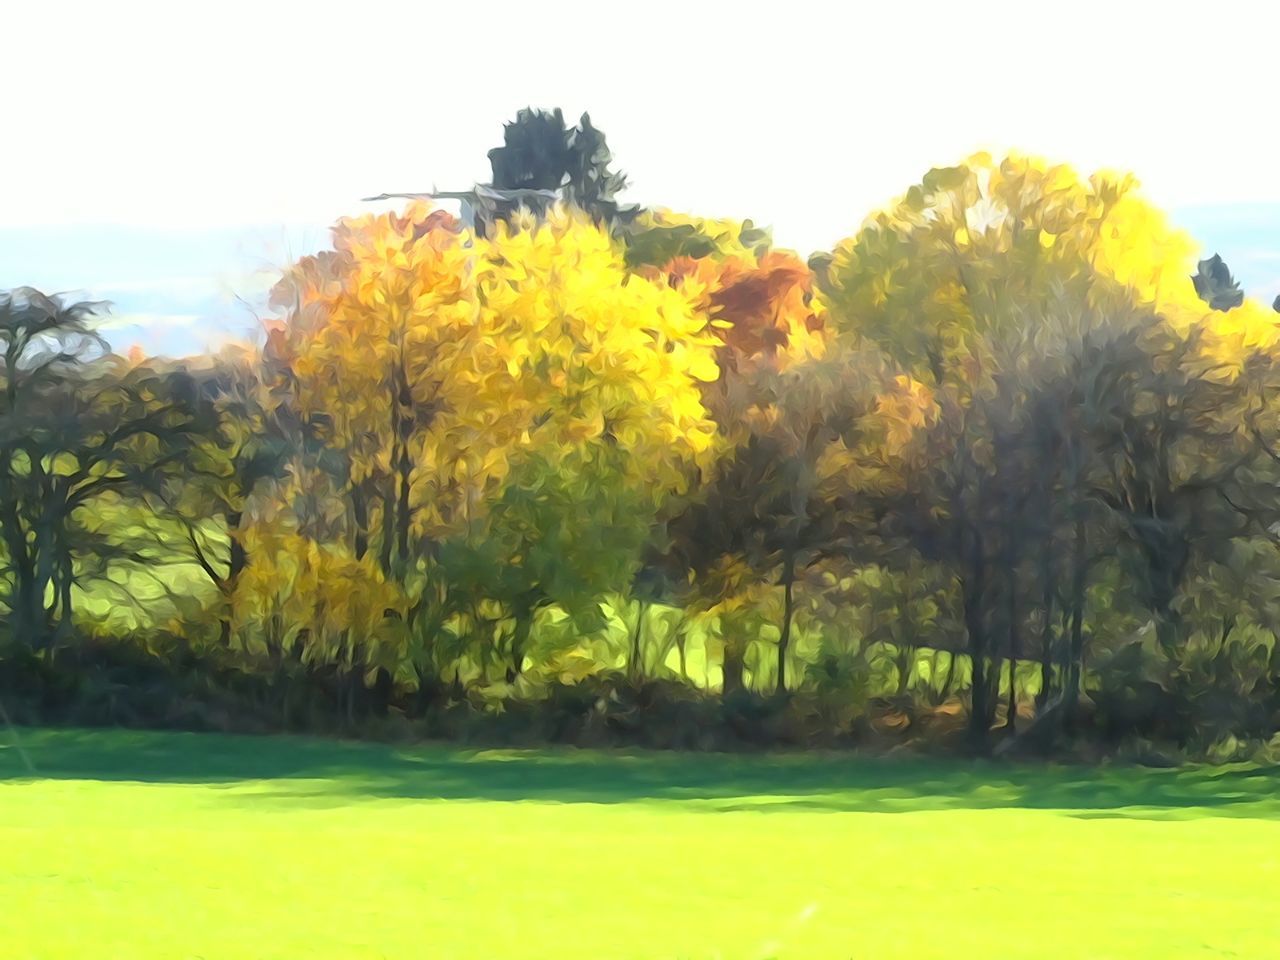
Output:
x=167 y=156
x=800 y=115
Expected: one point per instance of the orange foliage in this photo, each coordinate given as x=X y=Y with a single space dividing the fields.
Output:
x=762 y=309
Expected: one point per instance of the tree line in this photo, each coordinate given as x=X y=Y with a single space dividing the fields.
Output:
x=1001 y=454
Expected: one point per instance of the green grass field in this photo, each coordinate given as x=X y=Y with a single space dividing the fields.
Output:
x=139 y=845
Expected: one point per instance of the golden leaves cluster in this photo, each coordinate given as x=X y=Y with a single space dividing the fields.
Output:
x=298 y=591
x=535 y=339
x=987 y=264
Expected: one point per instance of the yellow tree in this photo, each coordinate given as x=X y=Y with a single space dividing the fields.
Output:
x=376 y=329
x=592 y=380
x=480 y=373
x=301 y=603
x=992 y=283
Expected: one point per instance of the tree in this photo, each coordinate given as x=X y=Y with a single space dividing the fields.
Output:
x=251 y=444
x=1215 y=285
x=600 y=373
x=591 y=184
x=540 y=153
x=987 y=281
x=522 y=370
x=76 y=425
x=534 y=154
x=786 y=412
x=1174 y=443
x=657 y=238
x=304 y=604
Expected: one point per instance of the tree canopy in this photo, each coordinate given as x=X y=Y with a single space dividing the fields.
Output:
x=1008 y=452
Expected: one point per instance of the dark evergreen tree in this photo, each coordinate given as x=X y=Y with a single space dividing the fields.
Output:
x=1215 y=285
x=540 y=153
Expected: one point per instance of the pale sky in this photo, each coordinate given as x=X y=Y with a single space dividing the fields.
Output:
x=241 y=129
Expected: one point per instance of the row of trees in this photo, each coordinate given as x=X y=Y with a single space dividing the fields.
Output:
x=998 y=446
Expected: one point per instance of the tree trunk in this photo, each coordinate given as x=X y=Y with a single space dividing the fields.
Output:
x=360 y=520
x=383 y=689
x=1011 y=720
x=681 y=639
x=1046 y=638
x=1046 y=682
x=1012 y=559
x=788 y=611
x=1015 y=644
x=387 y=543
x=635 y=665
x=402 y=507
x=237 y=560
x=732 y=667
x=353 y=689
x=402 y=414
x=45 y=562
x=429 y=686
x=973 y=590
x=1168 y=632
x=24 y=609
x=1071 y=684
x=237 y=557
x=519 y=641
x=18 y=548
x=950 y=679
x=66 y=580
x=980 y=693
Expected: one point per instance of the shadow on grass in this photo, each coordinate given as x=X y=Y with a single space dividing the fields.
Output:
x=312 y=772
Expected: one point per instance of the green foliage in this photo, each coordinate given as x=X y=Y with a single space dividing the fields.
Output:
x=657 y=237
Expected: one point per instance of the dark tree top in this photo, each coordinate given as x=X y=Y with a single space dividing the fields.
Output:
x=1215 y=285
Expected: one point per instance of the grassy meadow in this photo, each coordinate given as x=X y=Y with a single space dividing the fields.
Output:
x=155 y=845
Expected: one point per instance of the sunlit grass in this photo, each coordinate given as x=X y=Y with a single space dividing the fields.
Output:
x=154 y=845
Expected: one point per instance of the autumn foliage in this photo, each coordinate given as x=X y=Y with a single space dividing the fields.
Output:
x=997 y=447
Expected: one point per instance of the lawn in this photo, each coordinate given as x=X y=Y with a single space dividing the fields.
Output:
x=140 y=845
